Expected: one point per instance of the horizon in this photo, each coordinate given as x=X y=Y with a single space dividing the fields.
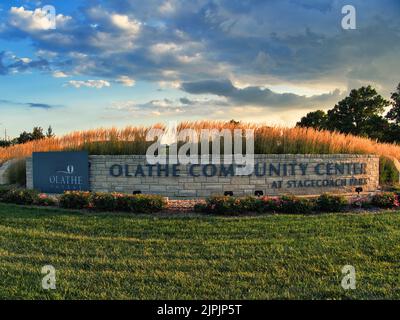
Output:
x=118 y=63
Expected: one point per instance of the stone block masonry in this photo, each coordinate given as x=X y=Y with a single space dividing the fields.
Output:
x=273 y=175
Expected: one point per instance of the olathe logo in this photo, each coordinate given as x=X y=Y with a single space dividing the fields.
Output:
x=70 y=170
x=67 y=178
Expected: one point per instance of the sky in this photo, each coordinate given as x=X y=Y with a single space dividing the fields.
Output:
x=103 y=63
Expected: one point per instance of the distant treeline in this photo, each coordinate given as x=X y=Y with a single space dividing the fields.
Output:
x=362 y=113
x=36 y=134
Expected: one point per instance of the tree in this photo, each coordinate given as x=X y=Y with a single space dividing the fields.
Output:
x=353 y=113
x=24 y=137
x=49 y=133
x=316 y=119
x=394 y=112
x=234 y=122
x=377 y=127
x=37 y=133
x=5 y=143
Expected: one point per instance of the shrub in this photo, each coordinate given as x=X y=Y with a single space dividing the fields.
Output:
x=200 y=208
x=139 y=203
x=16 y=173
x=103 y=201
x=251 y=204
x=331 y=203
x=223 y=205
x=21 y=196
x=121 y=201
x=3 y=192
x=270 y=204
x=385 y=200
x=145 y=203
x=74 y=200
x=291 y=204
x=388 y=173
x=232 y=205
x=44 y=200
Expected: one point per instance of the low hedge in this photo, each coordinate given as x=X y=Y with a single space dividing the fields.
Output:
x=282 y=204
x=25 y=197
x=235 y=205
x=3 y=192
x=138 y=203
x=331 y=203
x=386 y=200
x=75 y=200
x=222 y=205
x=45 y=201
x=20 y=196
x=100 y=201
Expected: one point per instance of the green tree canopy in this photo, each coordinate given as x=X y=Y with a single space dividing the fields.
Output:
x=315 y=119
x=354 y=113
x=50 y=133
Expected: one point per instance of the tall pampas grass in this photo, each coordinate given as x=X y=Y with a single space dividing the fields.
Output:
x=268 y=140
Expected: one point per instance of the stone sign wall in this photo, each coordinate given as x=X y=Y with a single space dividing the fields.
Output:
x=273 y=175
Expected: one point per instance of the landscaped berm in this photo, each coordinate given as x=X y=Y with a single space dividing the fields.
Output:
x=120 y=245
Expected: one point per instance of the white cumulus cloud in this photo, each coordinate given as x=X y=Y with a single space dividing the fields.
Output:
x=59 y=74
x=34 y=20
x=98 y=84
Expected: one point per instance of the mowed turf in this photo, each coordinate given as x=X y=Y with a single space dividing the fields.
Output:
x=107 y=256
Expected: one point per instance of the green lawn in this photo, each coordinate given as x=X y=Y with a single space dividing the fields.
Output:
x=145 y=257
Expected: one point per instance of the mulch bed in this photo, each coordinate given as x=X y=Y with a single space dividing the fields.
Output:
x=182 y=205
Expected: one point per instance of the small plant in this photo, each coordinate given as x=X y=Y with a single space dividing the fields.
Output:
x=20 y=196
x=122 y=201
x=16 y=173
x=251 y=204
x=271 y=204
x=223 y=205
x=103 y=201
x=75 y=200
x=331 y=203
x=388 y=173
x=44 y=200
x=145 y=203
x=291 y=204
x=3 y=192
x=200 y=208
x=385 y=200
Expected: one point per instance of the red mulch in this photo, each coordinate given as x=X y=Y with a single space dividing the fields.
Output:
x=182 y=205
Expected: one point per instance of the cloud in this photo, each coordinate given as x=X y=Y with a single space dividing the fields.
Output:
x=29 y=104
x=257 y=96
x=98 y=84
x=126 y=81
x=168 y=107
x=32 y=21
x=10 y=63
x=225 y=39
x=125 y=23
x=59 y=74
x=39 y=105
